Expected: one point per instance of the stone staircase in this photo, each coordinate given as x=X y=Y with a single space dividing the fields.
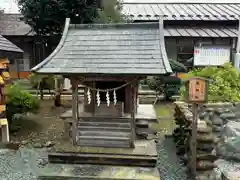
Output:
x=104 y=132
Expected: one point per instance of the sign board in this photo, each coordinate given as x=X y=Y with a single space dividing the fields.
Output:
x=210 y=55
x=197 y=90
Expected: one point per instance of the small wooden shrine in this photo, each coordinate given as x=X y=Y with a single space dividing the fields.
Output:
x=108 y=60
x=7 y=50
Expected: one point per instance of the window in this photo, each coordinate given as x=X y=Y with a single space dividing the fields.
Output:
x=185 y=55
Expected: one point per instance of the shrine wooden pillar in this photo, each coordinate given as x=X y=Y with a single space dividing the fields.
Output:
x=133 y=113
x=75 y=110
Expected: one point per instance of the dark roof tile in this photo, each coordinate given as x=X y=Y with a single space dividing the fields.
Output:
x=109 y=49
x=7 y=46
x=14 y=25
x=181 y=11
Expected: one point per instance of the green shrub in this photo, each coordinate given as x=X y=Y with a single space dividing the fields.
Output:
x=42 y=82
x=225 y=84
x=19 y=101
x=165 y=84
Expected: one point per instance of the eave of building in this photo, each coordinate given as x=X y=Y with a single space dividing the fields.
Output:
x=8 y=49
x=182 y=11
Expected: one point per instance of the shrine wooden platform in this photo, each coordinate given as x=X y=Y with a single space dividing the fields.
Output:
x=144 y=112
x=143 y=155
x=142 y=148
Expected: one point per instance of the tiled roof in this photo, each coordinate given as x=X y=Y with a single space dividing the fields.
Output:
x=7 y=46
x=200 y=31
x=14 y=25
x=109 y=49
x=182 y=11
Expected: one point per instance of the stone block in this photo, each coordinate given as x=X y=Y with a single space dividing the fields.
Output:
x=230 y=149
x=228 y=116
x=232 y=129
x=217 y=128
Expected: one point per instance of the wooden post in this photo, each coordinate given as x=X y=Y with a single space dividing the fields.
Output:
x=193 y=141
x=197 y=92
x=133 y=114
x=74 y=110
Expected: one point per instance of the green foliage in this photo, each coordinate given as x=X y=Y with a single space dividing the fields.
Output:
x=165 y=84
x=42 y=82
x=111 y=12
x=177 y=66
x=19 y=101
x=48 y=17
x=225 y=84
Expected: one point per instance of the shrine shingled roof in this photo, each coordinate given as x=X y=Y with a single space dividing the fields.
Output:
x=108 y=49
x=7 y=46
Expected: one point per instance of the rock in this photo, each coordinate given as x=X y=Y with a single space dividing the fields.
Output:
x=207 y=147
x=222 y=110
x=42 y=162
x=205 y=137
x=24 y=142
x=209 y=122
x=205 y=165
x=227 y=169
x=209 y=109
x=201 y=124
x=230 y=149
x=204 y=129
x=216 y=120
x=215 y=174
x=202 y=115
x=37 y=145
x=206 y=157
x=217 y=128
x=228 y=175
x=49 y=144
x=228 y=116
x=232 y=129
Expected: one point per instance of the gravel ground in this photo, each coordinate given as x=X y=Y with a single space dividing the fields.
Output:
x=15 y=166
x=25 y=164
x=168 y=163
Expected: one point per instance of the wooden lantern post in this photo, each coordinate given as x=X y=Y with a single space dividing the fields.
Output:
x=4 y=80
x=197 y=93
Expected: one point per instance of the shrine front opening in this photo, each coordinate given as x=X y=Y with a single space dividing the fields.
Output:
x=109 y=85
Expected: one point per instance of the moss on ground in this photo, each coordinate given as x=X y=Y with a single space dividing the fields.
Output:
x=166 y=123
x=162 y=110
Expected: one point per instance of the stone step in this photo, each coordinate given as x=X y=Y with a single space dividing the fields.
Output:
x=142 y=124
x=104 y=141
x=104 y=124
x=106 y=119
x=95 y=128
x=145 y=132
x=102 y=159
x=104 y=133
x=105 y=144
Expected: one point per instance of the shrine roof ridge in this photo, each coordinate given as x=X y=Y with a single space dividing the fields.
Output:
x=115 y=25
